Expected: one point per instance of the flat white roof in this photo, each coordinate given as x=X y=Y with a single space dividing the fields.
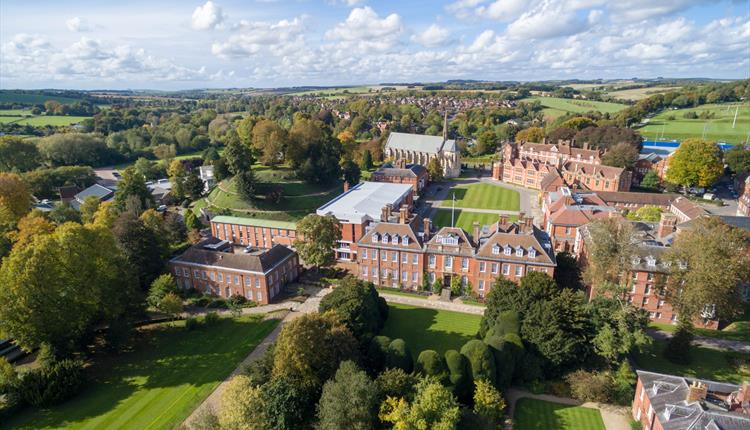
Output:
x=367 y=199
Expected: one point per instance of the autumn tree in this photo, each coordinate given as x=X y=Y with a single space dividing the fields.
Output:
x=317 y=237
x=531 y=134
x=646 y=213
x=434 y=407
x=88 y=208
x=271 y=141
x=242 y=407
x=738 y=159
x=708 y=262
x=358 y=306
x=17 y=154
x=15 y=199
x=695 y=162
x=313 y=153
x=609 y=251
x=177 y=174
x=349 y=401
x=435 y=170
x=133 y=184
x=488 y=403
x=622 y=155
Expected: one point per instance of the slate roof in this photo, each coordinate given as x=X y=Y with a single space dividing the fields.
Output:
x=257 y=262
x=465 y=243
x=391 y=229
x=688 y=208
x=561 y=149
x=516 y=236
x=742 y=222
x=653 y=199
x=411 y=170
x=99 y=191
x=420 y=143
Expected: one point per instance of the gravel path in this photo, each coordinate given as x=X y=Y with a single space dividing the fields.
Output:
x=708 y=342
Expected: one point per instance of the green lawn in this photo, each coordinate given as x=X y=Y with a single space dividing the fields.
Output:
x=292 y=201
x=718 y=128
x=484 y=196
x=399 y=292
x=15 y=112
x=532 y=414
x=32 y=98
x=465 y=219
x=706 y=363
x=423 y=328
x=555 y=106
x=57 y=121
x=159 y=384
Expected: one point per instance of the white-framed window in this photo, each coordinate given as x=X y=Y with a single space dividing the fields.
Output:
x=645 y=301
x=257 y=282
x=448 y=262
x=212 y=275
x=404 y=276
x=384 y=255
x=414 y=276
x=481 y=285
x=450 y=240
x=660 y=303
x=464 y=281
x=496 y=249
x=374 y=272
x=405 y=240
x=647 y=291
x=404 y=257
x=414 y=259
x=365 y=271
x=196 y=274
x=203 y=274
x=651 y=261
x=482 y=266
x=532 y=253
x=364 y=252
x=385 y=238
x=519 y=270
x=395 y=239
x=248 y=281
x=375 y=238
x=519 y=252
x=506 y=269
x=464 y=263
x=432 y=261
x=374 y=254
x=507 y=250
x=220 y=276
x=236 y=280
x=658 y=315
x=494 y=268
x=394 y=256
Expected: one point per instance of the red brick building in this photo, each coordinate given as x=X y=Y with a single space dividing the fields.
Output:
x=743 y=205
x=401 y=173
x=667 y=402
x=564 y=211
x=217 y=267
x=253 y=231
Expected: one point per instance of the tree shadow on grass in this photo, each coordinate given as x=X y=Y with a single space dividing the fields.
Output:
x=415 y=326
x=162 y=357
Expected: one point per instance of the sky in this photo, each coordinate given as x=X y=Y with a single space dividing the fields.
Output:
x=168 y=45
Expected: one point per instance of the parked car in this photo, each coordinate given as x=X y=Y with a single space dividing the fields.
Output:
x=709 y=196
x=161 y=208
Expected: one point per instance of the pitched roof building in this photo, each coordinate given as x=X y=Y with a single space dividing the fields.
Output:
x=401 y=173
x=420 y=149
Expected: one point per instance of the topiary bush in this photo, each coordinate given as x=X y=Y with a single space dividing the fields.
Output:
x=459 y=376
x=678 y=347
x=481 y=360
x=430 y=363
x=377 y=352
x=399 y=356
x=52 y=384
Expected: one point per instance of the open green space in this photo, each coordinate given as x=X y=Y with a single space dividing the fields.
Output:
x=400 y=292
x=465 y=219
x=15 y=112
x=56 y=121
x=169 y=372
x=706 y=363
x=533 y=414
x=424 y=328
x=333 y=92
x=672 y=124
x=636 y=94
x=21 y=97
x=556 y=106
x=483 y=196
x=225 y=196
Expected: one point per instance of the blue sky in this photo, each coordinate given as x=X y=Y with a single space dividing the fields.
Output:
x=266 y=43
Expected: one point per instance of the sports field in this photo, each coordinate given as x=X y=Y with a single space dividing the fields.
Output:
x=555 y=106
x=672 y=124
x=465 y=219
x=423 y=328
x=483 y=196
x=532 y=414
x=159 y=384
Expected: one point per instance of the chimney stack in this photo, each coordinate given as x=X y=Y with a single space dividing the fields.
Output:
x=697 y=391
x=389 y=211
x=586 y=145
x=426 y=229
x=476 y=231
x=529 y=221
x=667 y=225
x=503 y=219
x=346 y=186
x=384 y=214
x=403 y=215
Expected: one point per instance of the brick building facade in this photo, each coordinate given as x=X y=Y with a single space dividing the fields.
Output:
x=402 y=173
x=253 y=231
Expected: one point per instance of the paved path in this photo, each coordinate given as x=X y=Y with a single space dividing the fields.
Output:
x=614 y=417
x=709 y=342
x=433 y=304
x=213 y=401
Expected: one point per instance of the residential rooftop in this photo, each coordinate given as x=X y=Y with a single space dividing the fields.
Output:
x=254 y=222
x=214 y=252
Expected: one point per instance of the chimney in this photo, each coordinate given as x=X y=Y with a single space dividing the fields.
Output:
x=503 y=219
x=697 y=391
x=346 y=186
x=384 y=214
x=426 y=229
x=586 y=145
x=403 y=215
x=521 y=216
x=389 y=211
x=476 y=231
x=529 y=221
x=667 y=225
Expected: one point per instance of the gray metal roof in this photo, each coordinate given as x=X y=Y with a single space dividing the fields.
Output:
x=420 y=143
x=96 y=190
x=367 y=199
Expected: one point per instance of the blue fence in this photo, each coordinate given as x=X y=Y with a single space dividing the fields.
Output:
x=676 y=144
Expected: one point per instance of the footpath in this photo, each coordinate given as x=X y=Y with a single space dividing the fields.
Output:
x=708 y=342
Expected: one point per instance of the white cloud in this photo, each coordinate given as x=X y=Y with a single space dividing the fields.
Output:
x=505 y=10
x=433 y=36
x=207 y=17
x=365 y=29
x=348 y=3
x=548 y=19
x=77 y=25
x=275 y=38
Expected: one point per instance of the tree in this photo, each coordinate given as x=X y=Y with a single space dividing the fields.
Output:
x=287 y=404
x=63 y=212
x=481 y=361
x=58 y=285
x=29 y=227
x=679 y=345
x=313 y=153
x=646 y=213
x=193 y=186
x=623 y=384
x=651 y=181
x=590 y=386
x=161 y=286
x=317 y=237
x=578 y=123
x=349 y=401
x=147 y=168
x=141 y=248
x=358 y=306
x=430 y=363
x=246 y=183
x=435 y=170
x=695 y=162
x=88 y=209
x=737 y=158
x=298 y=353
x=192 y=222
x=531 y=134
x=271 y=141
x=607 y=136
x=610 y=249
x=394 y=382
x=486 y=143
x=434 y=407
x=708 y=262
x=619 y=327
x=366 y=160
x=133 y=184
x=459 y=375
x=568 y=272
x=399 y=356
x=238 y=156
x=242 y=407
x=17 y=154
x=351 y=171
x=622 y=155
x=488 y=403
x=170 y=304
x=177 y=174
x=15 y=200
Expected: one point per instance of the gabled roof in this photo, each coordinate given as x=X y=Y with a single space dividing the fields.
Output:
x=411 y=170
x=465 y=243
x=688 y=208
x=592 y=169
x=534 y=239
x=392 y=229
x=99 y=191
x=653 y=199
x=256 y=262
x=254 y=222
x=420 y=143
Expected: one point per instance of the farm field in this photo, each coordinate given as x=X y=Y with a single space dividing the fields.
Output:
x=636 y=94
x=483 y=196
x=157 y=385
x=465 y=219
x=532 y=414
x=57 y=121
x=332 y=93
x=15 y=112
x=555 y=106
x=21 y=97
x=423 y=328
x=718 y=128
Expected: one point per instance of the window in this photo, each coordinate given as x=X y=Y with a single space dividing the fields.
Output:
x=494 y=268
x=374 y=254
x=365 y=271
x=506 y=269
x=481 y=266
x=203 y=275
x=450 y=240
x=258 y=296
x=248 y=281
x=567 y=231
x=394 y=257
x=532 y=253
x=481 y=285
x=496 y=249
x=405 y=240
x=448 y=262
x=395 y=240
x=404 y=276
x=414 y=259
x=432 y=261
x=236 y=280
x=384 y=255
x=658 y=315
x=221 y=277
x=374 y=272
x=650 y=277
x=432 y=277
x=404 y=257
x=364 y=252
x=660 y=303
x=648 y=290
x=465 y=263
x=652 y=315
x=257 y=282
x=385 y=238
x=375 y=237
x=645 y=301
x=507 y=250
x=651 y=261
x=464 y=280
x=414 y=276
x=519 y=270
x=636 y=261
x=519 y=252
x=196 y=274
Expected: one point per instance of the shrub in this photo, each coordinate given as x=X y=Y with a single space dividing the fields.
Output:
x=217 y=303
x=678 y=347
x=52 y=384
x=623 y=384
x=430 y=363
x=377 y=352
x=459 y=375
x=259 y=371
x=399 y=356
x=488 y=403
x=504 y=359
x=395 y=382
x=590 y=386
x=357 y=304
x=481 y=360
x=191 y=323
x=211 y=318
x=117 y=334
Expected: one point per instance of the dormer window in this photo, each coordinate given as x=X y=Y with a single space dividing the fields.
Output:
x=651 y=261
x=385 y=238
x=507 y=250
x=636 y=261
x=532 y=253
x=519 y=252
x=450 y=240
x=376 y=238
x=496 y=249
x=395 y=240
x=405 y=240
